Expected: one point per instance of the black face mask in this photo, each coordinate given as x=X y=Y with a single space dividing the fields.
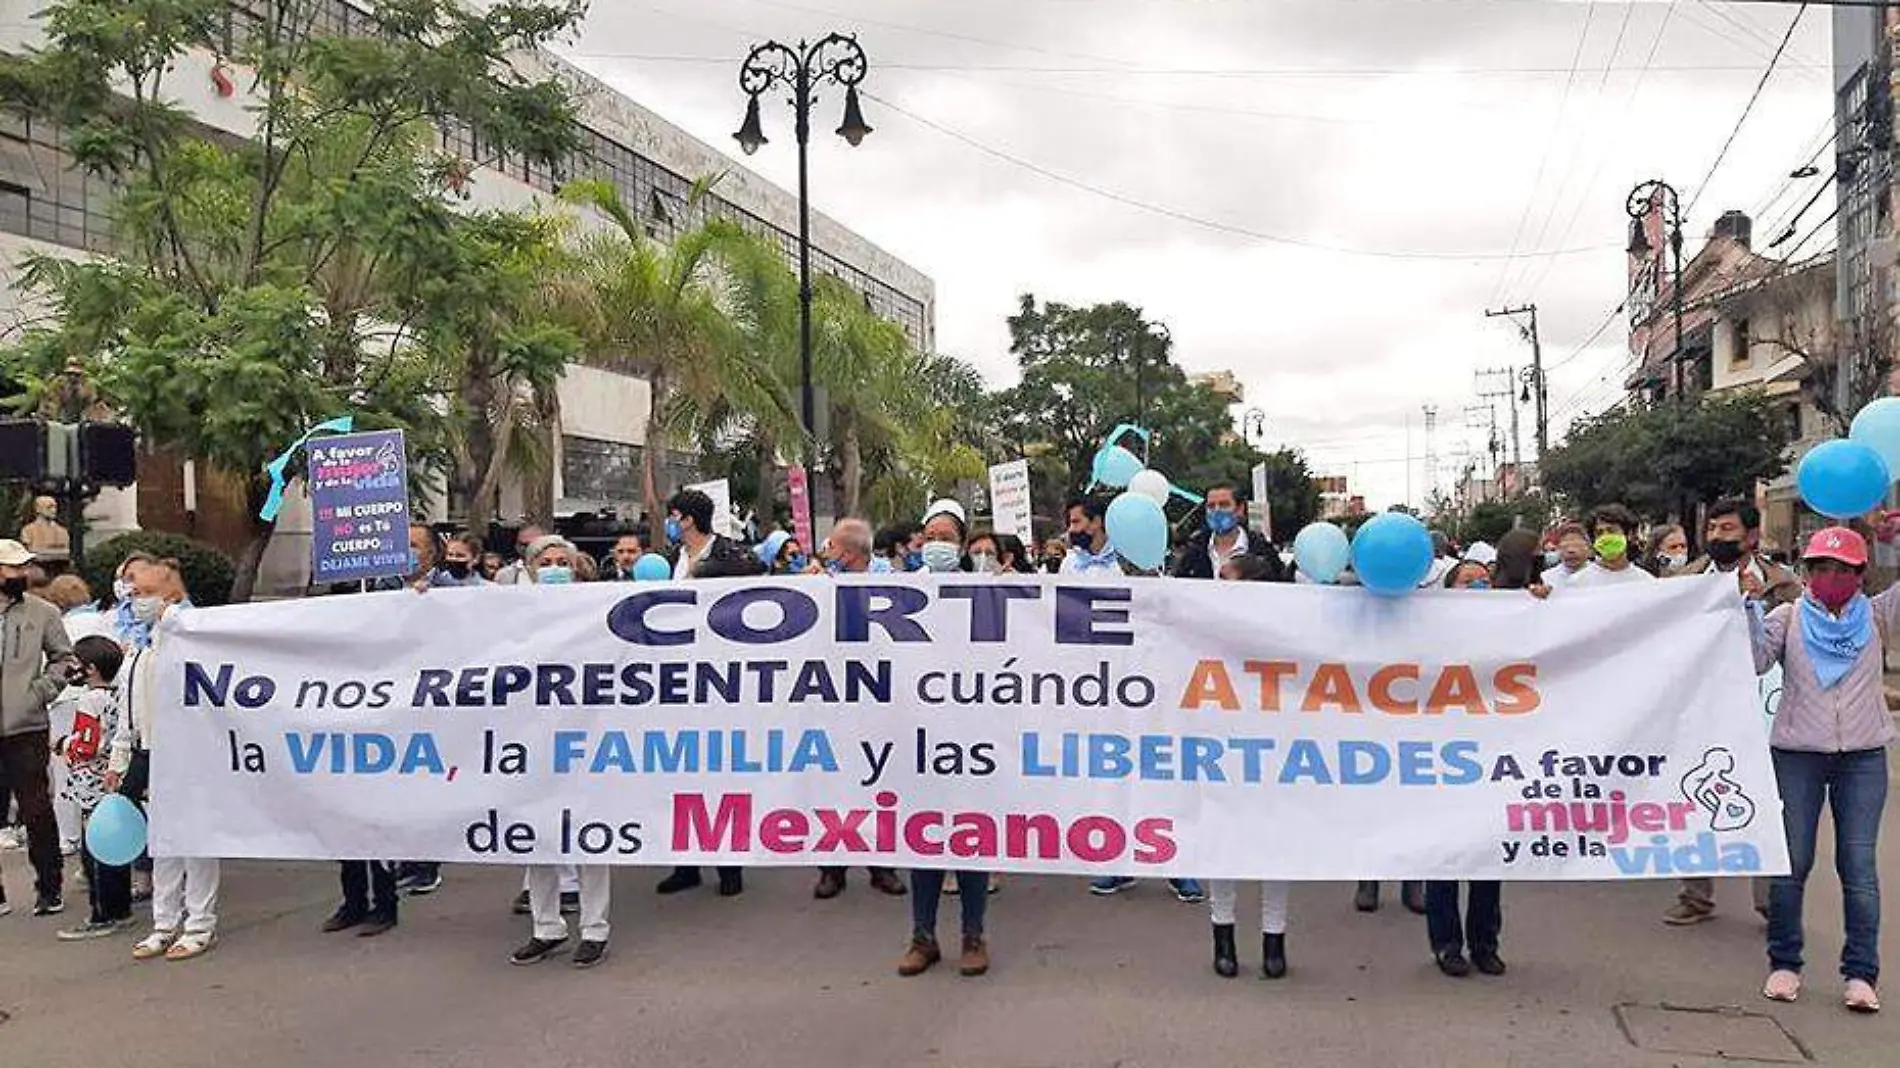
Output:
x=456 y=568
x=1052 y=566
x=1081 y=539
x=1725 y=553
x=14 y=588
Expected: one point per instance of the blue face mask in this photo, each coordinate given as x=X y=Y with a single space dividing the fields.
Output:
x=415 y=562
x=797 y=562
x=1480 y=584
x=555 y=575
x=913 y=561
x=672 y=529
x=1222 y=521
x=833 y=567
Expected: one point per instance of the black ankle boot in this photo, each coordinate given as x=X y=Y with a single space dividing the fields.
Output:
x=1226 y=955
x=1272 y=956
x=1367 y=897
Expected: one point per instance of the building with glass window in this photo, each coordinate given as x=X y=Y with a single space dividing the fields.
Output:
x=48 y=207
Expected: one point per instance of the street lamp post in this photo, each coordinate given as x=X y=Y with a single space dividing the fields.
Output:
x=1141 y=380
x=1646 y=197
x=838 y=59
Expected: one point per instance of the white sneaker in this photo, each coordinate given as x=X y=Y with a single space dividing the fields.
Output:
x=12 y=839
x=4 y=907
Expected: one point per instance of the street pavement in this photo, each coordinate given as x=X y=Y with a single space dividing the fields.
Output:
x=776 y=978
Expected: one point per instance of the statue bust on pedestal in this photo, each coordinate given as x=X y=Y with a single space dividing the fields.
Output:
x=44 y=537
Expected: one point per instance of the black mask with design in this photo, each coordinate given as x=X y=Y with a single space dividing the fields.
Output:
x=1725 y=553
x=13 y=587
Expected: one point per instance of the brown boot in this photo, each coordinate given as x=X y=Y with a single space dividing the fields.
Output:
x=976 y=956
x=923 y=953
x=830 y=884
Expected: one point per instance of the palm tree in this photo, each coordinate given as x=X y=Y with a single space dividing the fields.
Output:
x=687 y=316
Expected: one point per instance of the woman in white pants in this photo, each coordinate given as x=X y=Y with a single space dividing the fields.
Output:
x=1221 y=895
x=184 y=889
x=554 y=561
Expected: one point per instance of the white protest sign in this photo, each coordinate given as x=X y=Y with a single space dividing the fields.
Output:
x=1010 y=506
x=1034 y=724
x=720 y=490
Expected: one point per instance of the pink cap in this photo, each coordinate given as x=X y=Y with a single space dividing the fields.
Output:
x=1837 y=543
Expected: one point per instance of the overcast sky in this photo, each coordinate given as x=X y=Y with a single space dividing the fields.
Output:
x=1445 y=135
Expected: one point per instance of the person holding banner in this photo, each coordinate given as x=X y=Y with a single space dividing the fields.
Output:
x=185 y=889
x=1478 y=931
x=1241 y=566
x=1225 y=538
x=1829 y=745
x=1614 y=527
x=1089 y=551
x=851 y=555
x=461 y=563
x=1731 y=545
x=943 y=530
x=555 y=890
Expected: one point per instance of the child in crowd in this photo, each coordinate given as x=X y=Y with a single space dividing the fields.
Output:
x=83 y=749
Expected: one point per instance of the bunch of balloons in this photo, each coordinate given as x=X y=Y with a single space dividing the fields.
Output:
x=1137 y=519
x=1391 y=554
x=1847 y=478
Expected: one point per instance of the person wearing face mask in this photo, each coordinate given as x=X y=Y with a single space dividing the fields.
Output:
x=1224 y=537
x=34 y=656
x=944 y=529
x=1011 y=555
x=1667 y=551
x=1730 y=543
x=850 y=549
x=1054 y=551
x=985 y=554
x=1829 y=744
x=1572 y=543
x=185 y=889
x=1089 y=552
x=1612 y=527
x=460 y=563
x=780 y=554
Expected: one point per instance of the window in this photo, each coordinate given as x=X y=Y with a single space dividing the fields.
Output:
x=1741 y=345
x=607 y=472
x=1794 y=420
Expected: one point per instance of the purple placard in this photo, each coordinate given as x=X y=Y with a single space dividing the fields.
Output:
x=359 y=500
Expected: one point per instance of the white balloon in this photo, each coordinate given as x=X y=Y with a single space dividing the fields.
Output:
x=1151 y=484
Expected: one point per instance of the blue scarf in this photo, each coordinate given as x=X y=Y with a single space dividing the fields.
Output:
x=1834 y=645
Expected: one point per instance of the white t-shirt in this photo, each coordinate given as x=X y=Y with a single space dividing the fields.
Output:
x=1595 y=574
x=683 y=567
x=1560 y=576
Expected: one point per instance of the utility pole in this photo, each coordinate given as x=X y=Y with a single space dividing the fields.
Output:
x=1487 y=420
x=1495 y=382
x=1431 y=453
x=1535 y=388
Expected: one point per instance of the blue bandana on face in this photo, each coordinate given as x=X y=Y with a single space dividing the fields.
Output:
x=1221 y=521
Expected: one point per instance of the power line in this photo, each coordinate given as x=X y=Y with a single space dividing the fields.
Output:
x=1747 y=108
x=1197 y=220
x=1550 y=146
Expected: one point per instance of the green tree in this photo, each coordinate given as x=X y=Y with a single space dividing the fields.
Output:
x=266 y=284
x=692 y=317
x=1655 y=458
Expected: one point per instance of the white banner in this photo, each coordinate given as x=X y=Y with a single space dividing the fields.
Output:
x=1011 y=510
x=1135 y=726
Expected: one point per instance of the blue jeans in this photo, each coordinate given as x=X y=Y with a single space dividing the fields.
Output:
x=1854 y=786
x=926 y=893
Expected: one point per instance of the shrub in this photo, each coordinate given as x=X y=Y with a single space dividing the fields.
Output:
x=208 y=573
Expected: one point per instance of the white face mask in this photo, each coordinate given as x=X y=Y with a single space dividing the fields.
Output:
x=1672 y=561
x=942 y=556
x=985 y=563
x=147 y=609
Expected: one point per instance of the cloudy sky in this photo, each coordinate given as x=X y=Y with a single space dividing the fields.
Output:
x=1321 y=195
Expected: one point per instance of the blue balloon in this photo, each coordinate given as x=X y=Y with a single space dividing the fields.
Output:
x=1392 y=554
x=115 y=832
x=1114 y=466
x=1878 y=427
x=1138 y=529
x=1843 y=479
x=1321 y=551
x=652 y=567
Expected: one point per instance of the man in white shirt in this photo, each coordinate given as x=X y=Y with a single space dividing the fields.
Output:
x=1089 y=550
x=1613 y=528
x=1573 y=555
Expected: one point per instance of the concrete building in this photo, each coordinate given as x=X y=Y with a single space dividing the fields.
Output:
x=47 y=207
x=1727 y=259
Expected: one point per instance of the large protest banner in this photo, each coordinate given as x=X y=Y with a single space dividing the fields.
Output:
x=1038 y=724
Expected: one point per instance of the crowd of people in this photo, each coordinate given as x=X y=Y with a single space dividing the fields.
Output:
x=77 y=718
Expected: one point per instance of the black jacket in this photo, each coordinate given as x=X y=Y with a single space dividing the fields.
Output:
x=726 y=558
x=1196 y=562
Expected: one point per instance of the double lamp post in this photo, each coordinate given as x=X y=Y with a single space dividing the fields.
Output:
x=801 y=71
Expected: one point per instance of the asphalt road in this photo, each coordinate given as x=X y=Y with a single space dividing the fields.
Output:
x=776 y=978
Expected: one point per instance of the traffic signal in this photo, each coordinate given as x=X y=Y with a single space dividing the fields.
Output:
x=99 y=454
x=108 y=454
x=22 y=450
